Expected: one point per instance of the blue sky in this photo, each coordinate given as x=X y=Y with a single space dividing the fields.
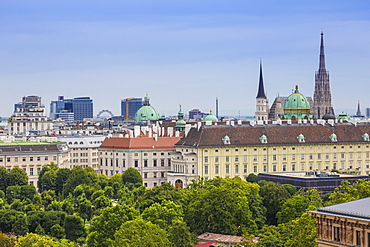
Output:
x=182 y=52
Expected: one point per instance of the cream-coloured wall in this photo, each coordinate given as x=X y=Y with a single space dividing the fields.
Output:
x=32 y=163
x=241 y=161
x=117 y=161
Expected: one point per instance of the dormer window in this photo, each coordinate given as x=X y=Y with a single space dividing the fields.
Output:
x=333 y=137
x=226 y=140
x=301 y=138
x=365 y=137
x=263 y=139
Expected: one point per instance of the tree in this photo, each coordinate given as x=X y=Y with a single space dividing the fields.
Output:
x=8 y=218
x=57 y=231
x=6 y=240
x=252 y=178
x=179 y=235
x=290 y=188
x=12 y=193
x=47 y=177
x=132 y=178
x=292 y=208
x=349 y=192
x=32 y=239
x=84 y=208
x=4 y=178
x=273 y=196
x=140 y=233
x=74 y=227
x=164 y=214
x=39 y=230
x=104 y=226
x=28 y=192
x=62 y=176
x=78 y=176
x=221 y=206
x=20 y=226
x=17 y=176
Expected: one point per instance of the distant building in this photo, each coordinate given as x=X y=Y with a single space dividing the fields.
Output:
x=368 y=112
x=29 y=118
x=83 y=150
x=81 y=107
x=144 y=149
x=32 y=154
x=129 y=107
x=196 y=114
x=345 y=224
x=325 y=182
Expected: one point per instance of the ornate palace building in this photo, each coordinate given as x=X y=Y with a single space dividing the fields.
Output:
x=236 y=149
x=345 y=224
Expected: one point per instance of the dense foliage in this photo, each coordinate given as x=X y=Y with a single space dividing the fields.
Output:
x=77 y=206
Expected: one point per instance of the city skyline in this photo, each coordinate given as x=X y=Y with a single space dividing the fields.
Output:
x=183 y=52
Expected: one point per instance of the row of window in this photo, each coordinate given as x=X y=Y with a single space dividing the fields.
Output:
x=274 y=149
x=154 y=174
x=284 y=157
x=24 y=159
x=155 y=162
x=31 y=170
x=136 y=154
x=294 y=167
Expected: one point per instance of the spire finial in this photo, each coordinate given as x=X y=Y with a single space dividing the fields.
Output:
x=261 y=89
x=322 y=53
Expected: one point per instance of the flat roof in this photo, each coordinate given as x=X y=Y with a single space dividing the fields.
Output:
x=302 y=175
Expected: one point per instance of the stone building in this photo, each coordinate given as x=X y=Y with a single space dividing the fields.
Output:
x=83 y=150
x=29 y=118
x=345 y=224
x=32 y=154
x=146 y=150
x=262 y=106
x=322 y=94
x=236 y=150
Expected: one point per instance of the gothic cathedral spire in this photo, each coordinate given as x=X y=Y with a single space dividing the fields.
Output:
x=262 y=107
x=322 y=94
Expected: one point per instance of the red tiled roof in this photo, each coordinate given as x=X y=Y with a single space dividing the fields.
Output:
x=139 y=143
x=207 y=236
x=244 y=135
x=205 y=244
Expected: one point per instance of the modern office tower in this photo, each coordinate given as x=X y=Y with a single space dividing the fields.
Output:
x=196 y=114
x=29 y=118
x=322 y=94
x=367 y=112
x=81 y=107
x=129 y=107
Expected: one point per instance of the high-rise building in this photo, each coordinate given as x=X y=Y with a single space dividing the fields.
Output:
x=129 y=107
x=262 y=107
x=368 y=112
x=322 y=94
x=81 y=107
x=29 y=118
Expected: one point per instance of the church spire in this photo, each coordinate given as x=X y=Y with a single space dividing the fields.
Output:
x=358 y=113
x=322 y=54
x=261 y=89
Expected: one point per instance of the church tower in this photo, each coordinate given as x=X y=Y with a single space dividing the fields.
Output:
x=322 y=94
x=262 y=106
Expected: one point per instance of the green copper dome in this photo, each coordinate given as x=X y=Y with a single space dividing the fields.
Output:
x=297 y=101
x=297 y=107
x=210 y=117
x=146 y=112
x=180 y=123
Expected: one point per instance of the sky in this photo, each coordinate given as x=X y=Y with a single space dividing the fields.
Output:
x=182 y=52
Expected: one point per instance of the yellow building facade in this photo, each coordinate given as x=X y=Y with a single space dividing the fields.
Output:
x=236 y=151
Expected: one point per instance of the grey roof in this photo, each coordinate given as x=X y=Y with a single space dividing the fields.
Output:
x=359 y=208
